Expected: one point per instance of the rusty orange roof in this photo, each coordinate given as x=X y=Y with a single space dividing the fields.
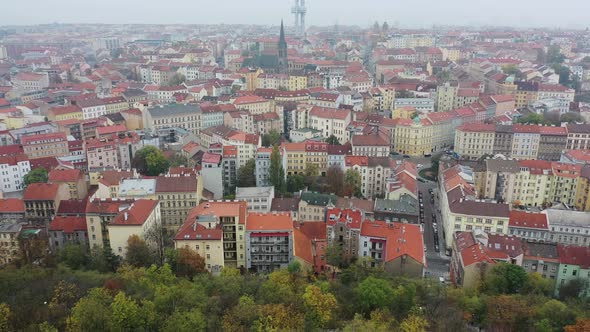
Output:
x=268 y=222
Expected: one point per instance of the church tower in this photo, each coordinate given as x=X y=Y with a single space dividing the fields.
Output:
x=283 y=62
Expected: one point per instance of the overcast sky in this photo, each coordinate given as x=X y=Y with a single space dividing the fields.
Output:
x=408 y=13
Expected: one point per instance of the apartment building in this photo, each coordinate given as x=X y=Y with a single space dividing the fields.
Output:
x=372 y=144
x=45 y=145
x=475 y=140
x=9 y=243
x=216 y=230
x=269 y=241
x=413 y=137
x=374 y=172
x=177 y=196
x=258 y=199
x=578 y=136
x=344 y=228
x=42 y=201
x=64 y=230
x=313 y=206
x=397 y=247
x=114 y=152
x=262 y=166
x=142 y=218
x=13 y=168
x=74 y=179
x=330 y=121
x=254 y=104
x=12 y=210
x=186 y=116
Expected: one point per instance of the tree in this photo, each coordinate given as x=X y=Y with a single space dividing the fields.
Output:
x=538 y=285
x=246 y=174
x=414 y=324
x=510 y=69
x=582 y=324
x=150 y=161
x=104 y=260
x=333 y=140
x=126 y=313
x=352 y=183
x=295 y=183
x=138 y=252
x=176 y=79
x=572 y=289
x=320 y=305
x=532 y=118
x=276 y=173
x=5 y=317
x=554 y=54
x=241 y=317
x=65 y=296
x=92 y=312
x=556 y=313
x=74 y=256
x=381 y=321
x=272 y=138
x=38 y=175
x=571 y=117
x=373 y=294
x=335 y=178
x=508 y=313
x=506 y=278
x=189 y=263
x=185 y=321
x=278 y=317
x=178 y=160
x=563 y=72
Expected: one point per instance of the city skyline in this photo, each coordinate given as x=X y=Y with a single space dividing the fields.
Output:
x=524 y=13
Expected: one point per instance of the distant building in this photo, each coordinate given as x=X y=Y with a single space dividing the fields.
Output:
x=269 y=241
x=259 y=199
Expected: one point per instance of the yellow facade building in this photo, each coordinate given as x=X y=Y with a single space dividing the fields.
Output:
x=413 y=137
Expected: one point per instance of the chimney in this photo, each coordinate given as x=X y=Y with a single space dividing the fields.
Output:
x=125 y=216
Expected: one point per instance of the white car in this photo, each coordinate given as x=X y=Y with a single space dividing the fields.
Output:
x=419 y=165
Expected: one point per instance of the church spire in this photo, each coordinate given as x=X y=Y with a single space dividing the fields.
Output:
x=282 y=35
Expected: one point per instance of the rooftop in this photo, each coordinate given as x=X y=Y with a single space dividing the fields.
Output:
x=269 y=222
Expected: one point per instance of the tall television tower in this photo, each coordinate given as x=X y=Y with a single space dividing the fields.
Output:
x=299 y=11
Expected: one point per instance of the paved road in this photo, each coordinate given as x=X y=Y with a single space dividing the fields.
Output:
x=437 y=262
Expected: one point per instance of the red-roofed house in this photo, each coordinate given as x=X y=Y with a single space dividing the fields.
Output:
x=330 y=121
x=42 y=201
x=177 y=195
x=139 y=218
x=45 y=145
x=529 y=225
x=343 y=228
x=31 y=81
x=309 y=246
x=272 y=231
x=254 y=104
x=398 y=247
x=12 y=210
x=65 y=230
x=74 y=179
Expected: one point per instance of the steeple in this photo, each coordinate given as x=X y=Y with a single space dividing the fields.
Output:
x=282 y=36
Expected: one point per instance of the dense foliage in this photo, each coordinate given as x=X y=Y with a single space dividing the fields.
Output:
x=150 y=161
x=37 y=175
x=180 y=296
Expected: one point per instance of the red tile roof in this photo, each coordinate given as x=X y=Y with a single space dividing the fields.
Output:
x=352 y=218
x=268 y=222
x=68 y=224
x=402 y=239
x=136 y=214
x=528 y=219
x=356 y=160
x=329 y=113
x=219 y=209
x=172 y=184
x=107 y=130
x=113 y=178
x=12 y=205
x=195 y=231
x=64 y=175
x=72 y=206
x=249 y=100
x=41 y=191
x=41 y=137
x=304 y=236
x=574 y=255
x=477 y=127
x=106 y=206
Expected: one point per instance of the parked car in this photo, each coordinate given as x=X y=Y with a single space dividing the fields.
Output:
x=436 y=248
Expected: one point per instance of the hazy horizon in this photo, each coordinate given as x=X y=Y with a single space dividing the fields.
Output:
x=407 y=13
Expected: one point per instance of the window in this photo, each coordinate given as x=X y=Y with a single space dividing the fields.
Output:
x=207 y=247
x=197 y=247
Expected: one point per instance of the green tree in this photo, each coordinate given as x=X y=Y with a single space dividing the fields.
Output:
x=176 y=79
x=554 y=54
x=246 y=174
x=508 y=313
x=74 y=256
x=381 y=321
x=373 y=294
x=150 y=161
x=37 y=175
x=92 y=312
x=571 y=117
x=185 y=321
x=320 y=305
x=414 y=324
x=189 y=263
x=276 y=173
x=563 y=72
x=126 y=313
x=506 y=278
x=538 y=285
x=5 y=317
x=178 y=160
x=103 y=260
x=510 y=69
x=335 y=178
x=572 y=289
x=532 y=118
x=295 y=183
x=272 y=138
x=352 y=183
x=556 y=314
x=241 y=317
x=138 y=252
x=332 y=140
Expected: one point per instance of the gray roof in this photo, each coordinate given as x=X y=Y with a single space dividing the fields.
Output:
x=406 y=204
x=10 y=228
x=146 y=185
x=242 y=192
x=545 y=250
x=499 y=165
x=161 y=111
x=134 y=93
x=313 y=198
x=568 y=217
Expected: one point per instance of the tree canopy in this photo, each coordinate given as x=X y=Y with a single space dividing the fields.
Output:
x=37 y=175
x=276 y=173
x=150 y=161
x=247 y=174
